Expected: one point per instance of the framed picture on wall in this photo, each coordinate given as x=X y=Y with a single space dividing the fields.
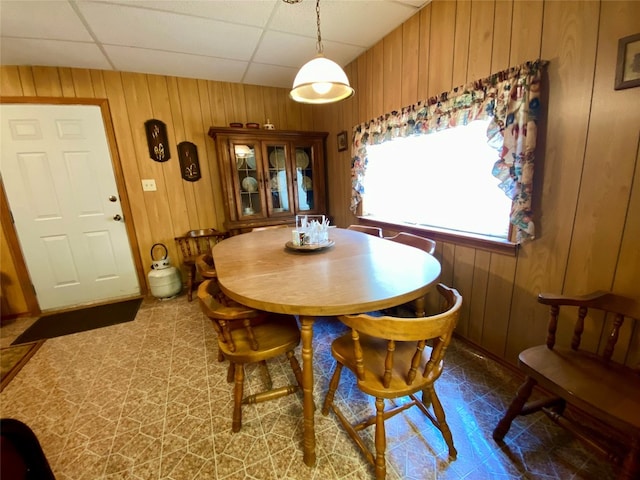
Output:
x=342 y=141
x=628 y=66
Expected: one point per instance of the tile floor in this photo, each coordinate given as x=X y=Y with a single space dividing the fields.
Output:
x=148 y=400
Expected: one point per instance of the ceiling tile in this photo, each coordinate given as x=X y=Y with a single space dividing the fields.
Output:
x=270 y=75
x=299 y=49
x=118 y=25
x=244 y=12
x=41 y=19
x=345 y=21
x=129 y=59
x=52 y=53
x=261 y=42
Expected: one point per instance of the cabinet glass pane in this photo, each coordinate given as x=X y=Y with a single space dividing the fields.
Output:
x=304 y=177
x=247 y=179
x=278 y=180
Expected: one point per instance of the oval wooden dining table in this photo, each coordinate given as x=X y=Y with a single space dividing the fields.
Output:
x=359 y=273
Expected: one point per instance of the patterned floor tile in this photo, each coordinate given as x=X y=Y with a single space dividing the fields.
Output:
x=148 y=400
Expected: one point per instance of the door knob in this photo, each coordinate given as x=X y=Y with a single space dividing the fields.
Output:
x=117 y=217
x=112 y=198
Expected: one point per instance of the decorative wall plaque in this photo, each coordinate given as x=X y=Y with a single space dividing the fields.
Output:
x=157 y=140
x=189 y=163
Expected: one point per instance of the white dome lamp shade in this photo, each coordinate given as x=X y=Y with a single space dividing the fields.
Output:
x=320 y=80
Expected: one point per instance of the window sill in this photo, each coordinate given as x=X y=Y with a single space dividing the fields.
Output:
x=490 y=244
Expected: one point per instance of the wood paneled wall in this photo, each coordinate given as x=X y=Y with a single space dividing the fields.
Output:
x=188 y=107
x=587 y=183
x=587 y=186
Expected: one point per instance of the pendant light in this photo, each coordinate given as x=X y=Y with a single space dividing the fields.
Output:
x=320 y=80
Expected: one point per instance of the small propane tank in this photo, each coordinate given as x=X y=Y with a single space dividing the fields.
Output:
x=165 y=281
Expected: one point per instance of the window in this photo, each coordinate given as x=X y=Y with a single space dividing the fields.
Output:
x=441 y=180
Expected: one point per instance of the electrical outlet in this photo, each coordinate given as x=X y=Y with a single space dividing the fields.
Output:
x=149 y=185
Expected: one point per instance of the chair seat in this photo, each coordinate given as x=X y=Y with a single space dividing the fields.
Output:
x=373 y=351
x=277 y=335
x=605 y=391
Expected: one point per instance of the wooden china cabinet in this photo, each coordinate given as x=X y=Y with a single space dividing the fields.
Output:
x=270 y=176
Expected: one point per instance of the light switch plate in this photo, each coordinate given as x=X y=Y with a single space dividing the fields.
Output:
x=149 y=185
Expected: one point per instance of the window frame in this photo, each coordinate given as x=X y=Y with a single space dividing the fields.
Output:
x=489 y=154
x=491 y=244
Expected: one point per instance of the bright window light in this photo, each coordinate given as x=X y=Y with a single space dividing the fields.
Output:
x=440 y=180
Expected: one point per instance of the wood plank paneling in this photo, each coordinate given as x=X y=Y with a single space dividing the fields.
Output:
x=66 y=81
x=97 y=83
x=377 y=81
x=410 y=51
x=10 y=84
x=443 y=23
x=47 y=82
x=461 y=42
x=202 y=204
x=463 y=267
x=27 y=82
x=502 y=30
x=82 y=83
x=573 y=146
x=569 y=38
x=392 y=71
x=609 y=166
x=478 y=296
x=527 y=30
x=422 y=60
x=497 y=308
x=362 y=90
x=188 y=107
x=166 y=106
x=480 y=40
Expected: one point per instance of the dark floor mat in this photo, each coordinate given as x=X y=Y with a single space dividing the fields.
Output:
x=75 y=321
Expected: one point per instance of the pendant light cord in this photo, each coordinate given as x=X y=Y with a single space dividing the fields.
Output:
x=319 y=46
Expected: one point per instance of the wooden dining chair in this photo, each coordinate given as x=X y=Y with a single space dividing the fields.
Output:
x=245 y=336
x=423 y=243
x=269 y=227
x=193 y=244
x=593 y=380
x=394 y=357
x=375 y=231
x=205 y=266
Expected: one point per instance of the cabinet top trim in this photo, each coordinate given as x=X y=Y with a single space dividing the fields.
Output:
x=260 y=132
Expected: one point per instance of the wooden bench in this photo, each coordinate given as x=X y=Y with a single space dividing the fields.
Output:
x=607 y=391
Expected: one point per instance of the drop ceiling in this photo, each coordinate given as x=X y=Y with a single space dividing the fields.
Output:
x=260 y=42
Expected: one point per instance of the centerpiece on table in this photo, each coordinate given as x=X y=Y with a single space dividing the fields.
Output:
x=311 y=233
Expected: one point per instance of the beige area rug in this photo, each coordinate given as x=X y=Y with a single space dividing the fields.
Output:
x=13 y=358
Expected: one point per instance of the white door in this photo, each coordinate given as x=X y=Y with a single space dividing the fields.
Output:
x=57 y=172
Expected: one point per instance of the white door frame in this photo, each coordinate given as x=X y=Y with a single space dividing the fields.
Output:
x=12 y=237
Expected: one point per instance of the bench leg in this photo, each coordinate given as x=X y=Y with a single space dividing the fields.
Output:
x=524 y=392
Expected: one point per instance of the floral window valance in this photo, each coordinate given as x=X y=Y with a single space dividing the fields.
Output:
x=511 y=99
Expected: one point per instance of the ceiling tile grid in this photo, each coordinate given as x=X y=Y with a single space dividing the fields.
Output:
x=261 y=42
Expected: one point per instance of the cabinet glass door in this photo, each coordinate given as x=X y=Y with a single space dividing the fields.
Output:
x=279 y=180
x=248 y=180
x=304 y=178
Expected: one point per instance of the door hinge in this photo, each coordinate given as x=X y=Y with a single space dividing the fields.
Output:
x=12 y=220
x=34 y=290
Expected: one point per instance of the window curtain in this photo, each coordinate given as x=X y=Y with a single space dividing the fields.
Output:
x=511 y=99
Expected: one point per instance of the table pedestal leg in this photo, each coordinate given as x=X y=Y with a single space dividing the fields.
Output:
x=309 y=445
